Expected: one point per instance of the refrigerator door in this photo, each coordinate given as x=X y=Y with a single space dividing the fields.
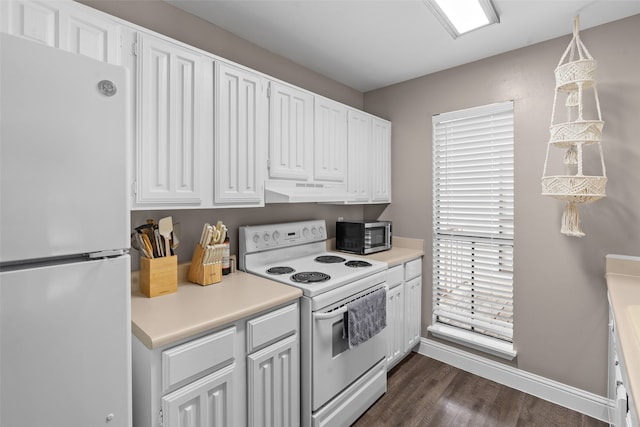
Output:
x=65 y=345
x=63 y=169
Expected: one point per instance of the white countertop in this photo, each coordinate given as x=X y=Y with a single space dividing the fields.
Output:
x=623 y=283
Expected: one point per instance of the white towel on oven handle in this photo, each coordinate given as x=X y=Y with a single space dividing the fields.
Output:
x=365 y=317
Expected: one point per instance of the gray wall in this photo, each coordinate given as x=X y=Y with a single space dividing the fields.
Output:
x=560 y=293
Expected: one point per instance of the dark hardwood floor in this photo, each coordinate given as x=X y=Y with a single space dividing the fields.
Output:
x=425 y=392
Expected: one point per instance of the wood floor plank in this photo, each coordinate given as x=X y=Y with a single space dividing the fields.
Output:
x=423 y=392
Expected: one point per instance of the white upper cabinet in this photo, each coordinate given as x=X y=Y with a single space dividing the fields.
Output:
x=290 y=132
x=380 y=175
x=358 y=155
x=241 y=136
x=63 y=25
x=169 y=112
x=330 y=143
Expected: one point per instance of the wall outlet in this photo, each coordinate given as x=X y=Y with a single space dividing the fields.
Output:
x=340 y=219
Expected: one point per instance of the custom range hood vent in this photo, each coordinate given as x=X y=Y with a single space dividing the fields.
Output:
x=305 y=192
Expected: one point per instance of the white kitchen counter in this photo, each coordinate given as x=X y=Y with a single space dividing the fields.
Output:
x=403 y=250
x=623 y=283
x=193 y=308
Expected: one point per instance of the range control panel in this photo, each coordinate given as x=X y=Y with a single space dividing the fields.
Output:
x=255 y=238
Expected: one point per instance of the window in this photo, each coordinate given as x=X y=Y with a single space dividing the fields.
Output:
x=473 y=227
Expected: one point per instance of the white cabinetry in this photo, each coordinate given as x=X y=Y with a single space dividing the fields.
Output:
x=404 y=302
x=241 y=136
x=245 y=373
x=395 y=314
x=205 y=402
x=368 y=158
x=380 y=175
x=358 y=156
x=273 y=369
x=330 y=142
x=413 y=302
x=63 y=25
x=623 y=411
x=169 y=112
x=290 y=132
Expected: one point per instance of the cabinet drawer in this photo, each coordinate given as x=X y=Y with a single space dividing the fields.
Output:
x=271 y=327
x=395 y=275
x=191 y=358
x=413 y=269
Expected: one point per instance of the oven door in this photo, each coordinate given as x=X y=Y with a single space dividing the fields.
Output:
x=335 y=366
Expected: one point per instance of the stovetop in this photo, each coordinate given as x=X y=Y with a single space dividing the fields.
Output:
x=300 y=258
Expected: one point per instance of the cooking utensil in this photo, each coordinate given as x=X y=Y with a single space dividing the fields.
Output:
x=165 y=227
x=158 y=243
x=175 y=237
x=147 y=245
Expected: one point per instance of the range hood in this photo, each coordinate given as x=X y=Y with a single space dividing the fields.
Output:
x=305 y=192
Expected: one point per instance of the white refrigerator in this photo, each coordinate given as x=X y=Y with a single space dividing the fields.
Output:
x=65 y=333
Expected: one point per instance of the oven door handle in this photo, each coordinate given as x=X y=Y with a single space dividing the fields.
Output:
x=340 y=310
x=330 y=314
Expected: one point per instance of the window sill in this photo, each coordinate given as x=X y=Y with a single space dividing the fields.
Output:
x=489 y=345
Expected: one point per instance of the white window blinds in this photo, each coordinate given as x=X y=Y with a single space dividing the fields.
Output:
x=473 y=220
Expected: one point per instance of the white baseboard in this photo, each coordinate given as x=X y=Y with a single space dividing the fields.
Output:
x=570 y=397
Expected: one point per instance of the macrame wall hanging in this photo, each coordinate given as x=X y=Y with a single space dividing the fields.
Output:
x=578 y=136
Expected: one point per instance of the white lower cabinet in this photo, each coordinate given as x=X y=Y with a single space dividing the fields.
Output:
x=205 y=402
x=274 y=385
x=395 y=319
x=404 y=309
x=623 y=411
x=244 y=373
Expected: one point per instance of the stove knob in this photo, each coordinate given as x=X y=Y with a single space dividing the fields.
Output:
x=275 y=235
x=305 y=232
x=321 y=230
x=266 y=236
x=313 y=231
x=256 y=238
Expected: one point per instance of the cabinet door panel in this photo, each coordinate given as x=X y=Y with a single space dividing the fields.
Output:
x=358 y=154
x=290 y=132
x=206 y=402
x=37 y=21
x=274 y=385
x=413 y=304
x=330 y=141
x=91 y=36
x=169 y=108
x=240 y=136
x=395 y=323
x=381 y=161
x=64 y=25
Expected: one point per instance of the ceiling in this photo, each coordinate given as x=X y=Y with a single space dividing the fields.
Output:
x=368 y=44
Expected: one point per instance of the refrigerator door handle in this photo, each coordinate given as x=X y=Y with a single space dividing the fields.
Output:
x=108 y=253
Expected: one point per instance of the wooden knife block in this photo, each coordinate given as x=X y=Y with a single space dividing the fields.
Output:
x=159 y=276
x=203 y=274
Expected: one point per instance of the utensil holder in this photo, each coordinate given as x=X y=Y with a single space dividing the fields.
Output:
x=158 y=276
x=207 y=274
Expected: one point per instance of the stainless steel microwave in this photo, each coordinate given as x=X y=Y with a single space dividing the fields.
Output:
x=363 y=236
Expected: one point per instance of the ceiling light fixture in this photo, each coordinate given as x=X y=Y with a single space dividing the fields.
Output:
x=461 y=16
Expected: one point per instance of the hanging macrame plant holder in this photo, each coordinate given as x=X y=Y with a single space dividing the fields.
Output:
x=575 y=77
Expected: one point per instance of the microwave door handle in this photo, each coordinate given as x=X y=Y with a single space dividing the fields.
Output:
x=330 y=314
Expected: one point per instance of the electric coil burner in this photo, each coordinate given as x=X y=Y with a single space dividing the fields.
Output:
x=329 y=259
x=280 y=270
x=331 y=372
x=357 y=263
x=310 y=277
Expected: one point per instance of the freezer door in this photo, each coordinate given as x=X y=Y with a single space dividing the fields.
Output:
x=65 y=345
x=63 y=169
